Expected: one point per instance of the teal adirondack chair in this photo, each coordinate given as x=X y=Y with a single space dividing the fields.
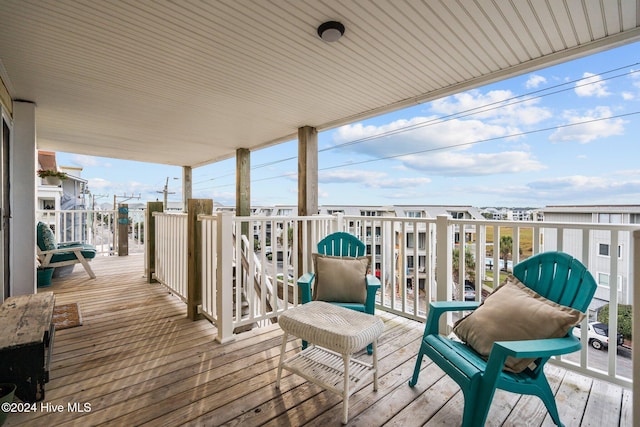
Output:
x=556 y=276
x=343 y=245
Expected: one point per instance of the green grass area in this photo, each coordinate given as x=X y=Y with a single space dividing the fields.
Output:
x=489 y=282
x=526 y=239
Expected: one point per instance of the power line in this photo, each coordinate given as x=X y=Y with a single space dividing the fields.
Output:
x=377 y=159
x=461 y=114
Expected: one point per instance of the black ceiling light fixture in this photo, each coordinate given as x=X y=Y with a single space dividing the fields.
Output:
x=331 y=31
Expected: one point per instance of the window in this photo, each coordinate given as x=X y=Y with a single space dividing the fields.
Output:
x=603 y=249
x=414 y=214
x=410 y=239
x=610 y=218
x=422 y=240
x=410 y=261
x=603 y=279
x=422 y=262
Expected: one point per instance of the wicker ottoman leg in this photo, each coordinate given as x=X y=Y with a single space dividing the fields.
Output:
x=345 y=391
x=375 y=365
x=283 y=349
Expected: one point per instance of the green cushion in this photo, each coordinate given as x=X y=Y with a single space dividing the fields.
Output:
x=45 y=238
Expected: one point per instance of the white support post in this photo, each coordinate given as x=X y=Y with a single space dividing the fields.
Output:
x=23 y=200
x=635 y=279
x=224 y=277
x=444 y=266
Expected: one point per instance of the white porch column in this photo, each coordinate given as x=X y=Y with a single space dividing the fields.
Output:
x=187 y=187
x=23 y=199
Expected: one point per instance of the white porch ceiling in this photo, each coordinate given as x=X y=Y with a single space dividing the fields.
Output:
x=188 y=82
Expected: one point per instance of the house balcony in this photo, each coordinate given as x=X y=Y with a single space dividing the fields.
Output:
x=138 y=360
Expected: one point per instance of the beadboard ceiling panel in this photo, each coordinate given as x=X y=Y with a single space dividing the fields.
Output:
x=188 y=82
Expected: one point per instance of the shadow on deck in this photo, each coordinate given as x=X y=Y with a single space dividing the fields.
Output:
x=137 y=360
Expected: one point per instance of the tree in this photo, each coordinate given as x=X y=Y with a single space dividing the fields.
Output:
x=506 y=246
x=469 y=265
x=625 y=319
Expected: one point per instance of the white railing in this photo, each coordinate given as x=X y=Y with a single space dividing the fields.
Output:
x=250 y=266
x=97 y=228
x=264 y=264
x=171 y=252
x=405 y=252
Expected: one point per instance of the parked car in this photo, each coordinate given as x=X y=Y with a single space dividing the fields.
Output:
x=469 y=292
x=598 y=335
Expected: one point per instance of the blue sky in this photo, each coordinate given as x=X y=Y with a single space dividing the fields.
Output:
x=567 y=134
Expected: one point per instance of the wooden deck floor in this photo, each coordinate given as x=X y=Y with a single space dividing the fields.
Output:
x=137 y=360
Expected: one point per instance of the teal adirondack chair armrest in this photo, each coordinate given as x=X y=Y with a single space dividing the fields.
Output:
x=373 y=284
x=541 y=348
x=438 y=308
x=304 y=286
x=537 y=348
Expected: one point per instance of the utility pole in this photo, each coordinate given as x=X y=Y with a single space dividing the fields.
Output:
x=124 y=198
x=93 y=200
x=166 y=192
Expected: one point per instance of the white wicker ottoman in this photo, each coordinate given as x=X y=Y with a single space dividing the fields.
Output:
x=334 y=333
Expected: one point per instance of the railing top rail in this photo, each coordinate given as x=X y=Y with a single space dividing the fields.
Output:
x=390 y=218
x=505 y=223
x=548 y=224
x=158 y=213
x=272 y=218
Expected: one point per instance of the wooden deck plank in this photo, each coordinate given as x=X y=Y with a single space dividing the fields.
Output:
x=137 y=360
x=571 y=399
x=603 y=393
x=532 y=407
x=392 y=343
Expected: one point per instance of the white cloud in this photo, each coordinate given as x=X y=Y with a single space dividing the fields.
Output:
x=350 y=176
x=441 y=148
x=578 y=188
x=628 y=96
x=497 y=107
x=370 y=179
x=450 y=134
x=88 y=161
x=98 y=184
x=591 y=85
x=592 y=128
x=534 y=81
x=565 y=190
x=465 y=164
